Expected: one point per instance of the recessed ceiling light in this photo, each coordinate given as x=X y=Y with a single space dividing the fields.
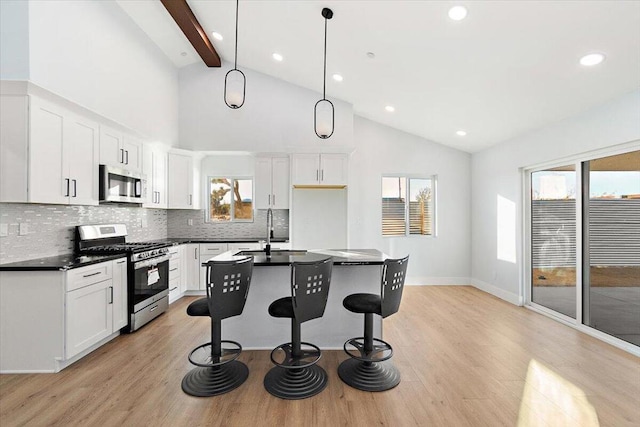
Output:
x=277 y=57
x=458 y=13
x=371 y=55
x=217 y=35
x=390 y=108
x=591 y=59
x=337 y=77
x=183 y=53
x=461 y=133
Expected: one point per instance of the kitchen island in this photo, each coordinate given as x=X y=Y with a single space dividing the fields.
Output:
x=354 y=270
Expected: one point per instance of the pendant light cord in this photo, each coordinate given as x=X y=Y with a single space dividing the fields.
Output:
x=324 y=76
x=235 y=65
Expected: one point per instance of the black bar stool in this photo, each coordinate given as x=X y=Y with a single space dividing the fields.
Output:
x=296 y=375
x=217 y=370
x=369 y=368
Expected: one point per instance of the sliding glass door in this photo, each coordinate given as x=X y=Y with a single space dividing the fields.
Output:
x=553 y=239
x=584 y=239
x=611 y=253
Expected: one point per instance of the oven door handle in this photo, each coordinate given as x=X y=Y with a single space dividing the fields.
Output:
x=152 y=262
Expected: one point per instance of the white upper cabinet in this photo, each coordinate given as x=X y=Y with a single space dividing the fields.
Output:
x=61 y=160
x=183 y=181
x=319 y=169
x=272 y=183
x=154 y=167
x=120 y=149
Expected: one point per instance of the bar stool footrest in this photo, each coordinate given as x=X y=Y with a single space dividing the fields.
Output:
x=296 y=362
x=201 y=355
x=292 y=384
x=212 y=381
x=369 y=376
x=381 y=350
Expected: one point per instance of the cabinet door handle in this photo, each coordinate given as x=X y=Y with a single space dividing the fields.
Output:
x=92 y=274
x=322 y=175
x=274 y=200
x=317 y=175
x=196 y=253
x=269 y=198
x=121 y=155
x=190 y=199
x=67 y=186
x=110 y=294
x=127 y=153
x=75 y=187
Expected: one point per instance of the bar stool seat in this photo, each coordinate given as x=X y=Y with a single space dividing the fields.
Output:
x=369 y=367
x=217 y=370
x=296 y=374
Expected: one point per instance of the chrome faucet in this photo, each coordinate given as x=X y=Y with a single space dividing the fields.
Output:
x=267 y=248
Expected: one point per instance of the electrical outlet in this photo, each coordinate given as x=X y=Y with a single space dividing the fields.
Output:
x=190 y=221
x=23 y=229
x=143 y=223
x=4 y=230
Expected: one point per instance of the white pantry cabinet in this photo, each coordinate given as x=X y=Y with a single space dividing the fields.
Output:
x=50 y=154
x=272 y=183
x=319 y=169
x=154 y=167
x=183 y=181
x=120 y=149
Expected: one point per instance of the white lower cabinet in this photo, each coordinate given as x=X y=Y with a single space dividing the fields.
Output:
x=208 y=251
x=192 y=266
x=248 y=246
x=177 y=274
x=95 y=304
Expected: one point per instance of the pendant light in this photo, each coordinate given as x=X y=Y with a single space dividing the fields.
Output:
x=235 y=82
x=323 y=111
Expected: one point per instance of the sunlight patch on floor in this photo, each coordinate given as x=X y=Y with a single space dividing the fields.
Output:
x=547 y=397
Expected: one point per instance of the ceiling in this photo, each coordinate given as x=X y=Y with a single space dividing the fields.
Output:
x=508 y=68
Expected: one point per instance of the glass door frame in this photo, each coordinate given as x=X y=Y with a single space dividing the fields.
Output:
x=526 y=281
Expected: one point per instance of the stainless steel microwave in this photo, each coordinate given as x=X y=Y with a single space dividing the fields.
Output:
x=120 y=185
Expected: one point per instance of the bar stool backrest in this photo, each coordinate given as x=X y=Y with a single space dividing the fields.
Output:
x=310 y=288
x=228 y=286
x=393 y=275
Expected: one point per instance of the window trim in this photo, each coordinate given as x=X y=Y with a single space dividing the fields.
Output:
x=434 y=215
x=231 y=178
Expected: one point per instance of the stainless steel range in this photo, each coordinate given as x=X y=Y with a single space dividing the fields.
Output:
x=147 y=269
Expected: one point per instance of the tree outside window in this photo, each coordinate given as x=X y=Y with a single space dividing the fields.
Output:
x=230 y=199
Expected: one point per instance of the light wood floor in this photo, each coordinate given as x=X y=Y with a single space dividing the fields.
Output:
x=466 y=358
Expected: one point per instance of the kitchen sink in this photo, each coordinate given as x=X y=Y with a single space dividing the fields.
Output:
x=275 y=252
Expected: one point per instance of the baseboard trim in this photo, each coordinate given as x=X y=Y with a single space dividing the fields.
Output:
x=437 y=281
x=514 y=299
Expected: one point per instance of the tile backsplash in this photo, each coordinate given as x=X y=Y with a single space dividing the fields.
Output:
x=49 y=229
x=178 y=225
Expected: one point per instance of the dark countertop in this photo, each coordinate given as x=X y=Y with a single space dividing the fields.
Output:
x=184 y=240
x=60 y=262
x=284 y=258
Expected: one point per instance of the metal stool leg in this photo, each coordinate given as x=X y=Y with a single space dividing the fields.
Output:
x=219 y=378
x=295 y=383
x=369 y=375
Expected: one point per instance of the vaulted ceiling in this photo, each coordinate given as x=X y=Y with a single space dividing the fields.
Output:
x=508 y=68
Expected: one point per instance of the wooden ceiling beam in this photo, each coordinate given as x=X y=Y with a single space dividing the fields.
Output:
x=197 y=36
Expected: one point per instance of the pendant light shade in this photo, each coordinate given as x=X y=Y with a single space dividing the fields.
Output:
x=323 y=111
x=234 y=82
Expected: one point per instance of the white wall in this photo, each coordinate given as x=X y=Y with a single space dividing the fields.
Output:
x=496 y=181
x=92 y=53
x=276 y=116
x=380 y=150
x=14 y=40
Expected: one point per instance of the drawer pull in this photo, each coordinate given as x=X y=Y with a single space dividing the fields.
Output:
x=92 y=274
x=121 y=262
x=173 y=289
x=173 y=269
x=153 y=308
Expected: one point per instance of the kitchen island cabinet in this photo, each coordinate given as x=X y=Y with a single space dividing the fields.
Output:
x=353 y=271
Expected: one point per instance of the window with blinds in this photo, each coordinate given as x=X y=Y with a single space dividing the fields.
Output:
x=408 y=206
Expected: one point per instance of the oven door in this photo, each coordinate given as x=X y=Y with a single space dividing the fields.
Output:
x=151 y=281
